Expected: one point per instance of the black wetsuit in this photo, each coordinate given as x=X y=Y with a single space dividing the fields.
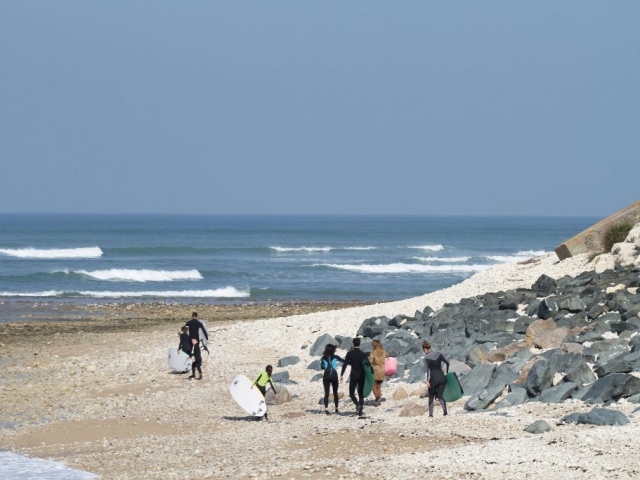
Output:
x=435 y=376
x=355 y=359
x=185 y=343
x=194 y=325
x=330 y=377
x=197 y=360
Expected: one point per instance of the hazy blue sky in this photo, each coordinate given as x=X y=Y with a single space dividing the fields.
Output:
x=415 y=107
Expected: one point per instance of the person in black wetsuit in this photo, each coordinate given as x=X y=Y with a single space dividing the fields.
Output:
x=185 y=341
x=434 y=376
x=196 y=359
x=194 y=325
x=329 y=363
x=355 y=359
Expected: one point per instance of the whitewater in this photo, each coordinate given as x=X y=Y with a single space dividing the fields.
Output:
x=260 y=258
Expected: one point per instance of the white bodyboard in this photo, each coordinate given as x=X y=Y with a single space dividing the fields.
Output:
x=201 y=335
x=178 y=360
x=248 y=396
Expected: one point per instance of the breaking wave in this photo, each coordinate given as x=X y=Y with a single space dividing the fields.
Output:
x=518 y=257
x=442 y=259
x=226 y=292
x=53 y=253
x=142 y=275
x=405 y=268
x=431 y=248
x=318 y=249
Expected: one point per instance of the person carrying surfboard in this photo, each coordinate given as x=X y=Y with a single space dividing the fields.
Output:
x=329 y=363
x=185 y=341
x=261 y=383
x=377 y=358
x=434 y=376
x=194 y=325
x=357 y=360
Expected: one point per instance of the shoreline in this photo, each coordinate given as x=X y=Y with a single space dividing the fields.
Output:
x=104 y=401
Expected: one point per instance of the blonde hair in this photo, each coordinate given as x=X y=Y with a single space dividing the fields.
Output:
x=376 y=344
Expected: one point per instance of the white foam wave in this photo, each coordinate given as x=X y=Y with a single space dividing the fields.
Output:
x=405 y=268
x=442 y=259
x=14 y=465
x=52 y=253
x=431 y=248
x=142 y=275
x=302 y=249
x=360 y=248
x=518 y=257
x=226 y=292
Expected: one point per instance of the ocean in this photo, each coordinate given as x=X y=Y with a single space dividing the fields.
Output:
x=231 y=259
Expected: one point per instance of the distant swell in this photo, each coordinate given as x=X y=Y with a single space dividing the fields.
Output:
x=142 y=275
x=226 y=292
x=89 y=252
x=431 y=248
x=317 y=249
x=406 y=268
x=442 y=259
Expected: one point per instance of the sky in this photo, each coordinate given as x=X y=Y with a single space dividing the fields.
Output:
x=333 y=107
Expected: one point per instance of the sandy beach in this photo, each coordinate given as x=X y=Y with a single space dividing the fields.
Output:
x=97 y=395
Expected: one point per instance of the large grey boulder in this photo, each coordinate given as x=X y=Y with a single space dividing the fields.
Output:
x=372 y=327
x=606 y=389
x=539 y=426
x=544 y=286
x=559 y=393
x=540 y=377
x=477 y=379
x=283 y=395
x=286 y=361
x=315 y=365
x=517 y=396
x=483 y=399
x=322 y=341
x=283 y=377
x=597 y=416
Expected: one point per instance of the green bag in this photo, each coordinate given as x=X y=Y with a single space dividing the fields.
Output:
x=368 y=378
x=452 y=390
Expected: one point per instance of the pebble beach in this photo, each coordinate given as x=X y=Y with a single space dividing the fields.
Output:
x=103 y=400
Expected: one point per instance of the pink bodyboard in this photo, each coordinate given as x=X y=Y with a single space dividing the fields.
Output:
x=390 y=366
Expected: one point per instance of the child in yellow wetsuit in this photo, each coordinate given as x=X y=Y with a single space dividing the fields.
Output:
x=261 y=382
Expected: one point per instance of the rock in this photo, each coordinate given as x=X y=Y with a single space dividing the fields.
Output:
x=571 y=303
x=504 y=353
x=458 y=367
x=544 y=286
x=286 y=361
x=606 y=389
x=539 y=426
x=538 y=328
x=416 y=373
x=482 y=400
x=597 y=416
x=539 y=378
x=477 y=379
x=322 y=341
x=372 y=327
x=517 y=396
x=477 y=355
x=547 y=308
x=317 y=377
x=522 y=323
x=315 y=365
x=400 y=394
x=413 y=409
x=283 y=395
x=282 y=377
x=344 y=343
x=559 y=393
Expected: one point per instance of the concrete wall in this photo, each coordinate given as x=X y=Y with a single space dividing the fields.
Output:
x=592 y=239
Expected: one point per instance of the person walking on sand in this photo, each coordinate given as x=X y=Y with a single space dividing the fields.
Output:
x=434 y=376
x=185 y=342
x=376 y=358
x=194 y=325
x=356 y=359
x=196 y=357
x=261 y=381
x=329 y=363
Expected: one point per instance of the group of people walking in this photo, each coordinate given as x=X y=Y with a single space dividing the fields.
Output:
x=190 y=343
x=355 y=358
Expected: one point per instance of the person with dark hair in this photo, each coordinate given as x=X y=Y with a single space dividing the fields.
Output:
x=377 y=358
x=261 y=381
x=434 y=376
x=329 y=363
x=356 y=359
x=194 y=325
x=185 y=341
x=196 y=359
